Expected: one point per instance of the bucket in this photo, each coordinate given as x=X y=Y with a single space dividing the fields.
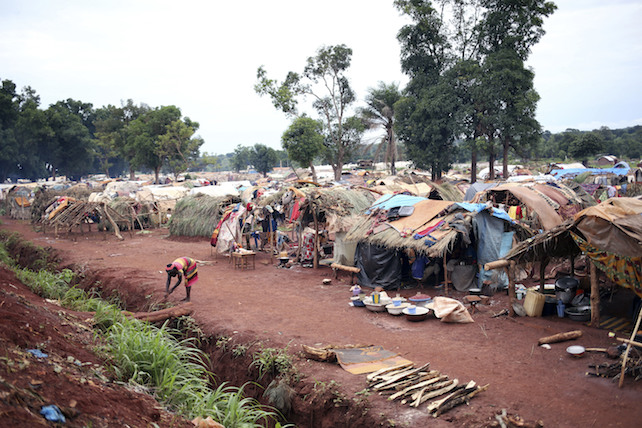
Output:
x=534 y=303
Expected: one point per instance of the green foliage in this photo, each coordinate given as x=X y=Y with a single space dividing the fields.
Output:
x=303 y=140
x=324 y=80
x=263 y=158
x=272 y=361
x=379 y=113
x=586 y=145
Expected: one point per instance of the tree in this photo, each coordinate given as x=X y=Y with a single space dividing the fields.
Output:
x=303 y=141
x=513 y=101
x=109 y=127
x=426 y=122
x=9 y=112
x=147 y=131
x=380 y=113
x=325 y=81
x=240 y=158
x=33 y=133
x=263 y=158
x=179 y=146
x=69 y=151
x=588 y=144
x=126 y=141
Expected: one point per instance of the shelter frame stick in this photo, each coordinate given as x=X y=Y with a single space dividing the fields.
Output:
x=510 y=272
x=542 y=275
x=445 y=276
x=316 y=236
x=628 y=348
x=595 y=296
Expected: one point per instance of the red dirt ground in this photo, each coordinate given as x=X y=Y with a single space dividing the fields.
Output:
x=276 y=307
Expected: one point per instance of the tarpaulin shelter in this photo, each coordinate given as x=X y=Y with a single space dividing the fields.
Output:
x=431 y=228
x=536 y=205
x=610 y=234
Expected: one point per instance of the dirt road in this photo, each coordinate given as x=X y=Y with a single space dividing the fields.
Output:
x=281 y=307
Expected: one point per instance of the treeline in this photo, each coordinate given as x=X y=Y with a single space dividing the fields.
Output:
x=73 y=138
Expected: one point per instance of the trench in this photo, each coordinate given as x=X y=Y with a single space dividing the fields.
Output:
x=303 y=401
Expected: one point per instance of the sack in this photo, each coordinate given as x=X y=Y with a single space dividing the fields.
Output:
x=450 y=310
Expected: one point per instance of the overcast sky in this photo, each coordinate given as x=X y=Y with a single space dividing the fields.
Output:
x=202 y=57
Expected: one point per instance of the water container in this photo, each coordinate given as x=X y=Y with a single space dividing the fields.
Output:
x=534 y=303
x=560 y=308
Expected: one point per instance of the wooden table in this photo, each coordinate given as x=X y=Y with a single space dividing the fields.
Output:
x=245 y=260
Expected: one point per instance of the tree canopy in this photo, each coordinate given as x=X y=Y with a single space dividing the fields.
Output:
x=324 y=80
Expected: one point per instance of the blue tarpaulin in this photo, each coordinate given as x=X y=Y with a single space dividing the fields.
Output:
x=387 y=202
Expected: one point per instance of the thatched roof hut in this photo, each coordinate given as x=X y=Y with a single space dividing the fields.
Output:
x=610 y=234
x=198 y=215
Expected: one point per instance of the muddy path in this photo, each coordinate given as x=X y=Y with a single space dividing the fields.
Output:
x=274 y=307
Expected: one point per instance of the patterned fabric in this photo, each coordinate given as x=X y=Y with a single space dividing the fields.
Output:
x=622 y=270
x=188 y=266
x=308 y=246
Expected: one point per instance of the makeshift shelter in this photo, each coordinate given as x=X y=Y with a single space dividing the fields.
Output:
x=536 y=205
x=434 y=231
x=66 y=214
x=18 y=202
x=198 y=215
x=609 y=234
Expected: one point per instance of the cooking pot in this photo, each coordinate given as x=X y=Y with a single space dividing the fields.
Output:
x=565 y=288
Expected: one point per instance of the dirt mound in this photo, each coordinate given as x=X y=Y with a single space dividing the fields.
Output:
x=47 y=359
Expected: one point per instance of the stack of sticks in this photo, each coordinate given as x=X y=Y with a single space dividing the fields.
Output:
x=415 y=386
x=614 y=370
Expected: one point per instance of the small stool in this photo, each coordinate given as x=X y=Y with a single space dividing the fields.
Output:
x=472 y=300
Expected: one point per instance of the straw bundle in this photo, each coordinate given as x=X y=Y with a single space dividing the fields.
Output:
x=199 y=214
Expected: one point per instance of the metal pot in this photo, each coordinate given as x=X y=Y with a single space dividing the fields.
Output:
x=579 y=313
x=565 y=288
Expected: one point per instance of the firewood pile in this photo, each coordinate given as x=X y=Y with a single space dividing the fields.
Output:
x=416 y=386
x=614 y=370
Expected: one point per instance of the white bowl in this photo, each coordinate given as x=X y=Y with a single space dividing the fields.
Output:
x=375 y=307
x=396 y=310
x=576 y=350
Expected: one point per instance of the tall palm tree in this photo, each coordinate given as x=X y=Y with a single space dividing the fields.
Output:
x=380 y=113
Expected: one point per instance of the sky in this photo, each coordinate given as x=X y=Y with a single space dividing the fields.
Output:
x=202 y=56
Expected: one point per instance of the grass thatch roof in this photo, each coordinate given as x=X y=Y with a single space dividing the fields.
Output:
x=198 y=215
x=556 y=242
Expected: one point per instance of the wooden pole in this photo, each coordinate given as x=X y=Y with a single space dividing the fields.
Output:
x=316 y=236
x=628 y=348
x=595 y=296
x=445 y=276
x=112 y=222
x=542 y=275
x=510 y=272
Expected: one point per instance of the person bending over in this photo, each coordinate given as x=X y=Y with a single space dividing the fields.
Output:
x=181 y=267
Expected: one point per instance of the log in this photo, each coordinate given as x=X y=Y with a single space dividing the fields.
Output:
x=560 y=337
x=163 y=314
x=352 y=269
x=394 y=379
x=632 y=342
x=497 y=264
x=373 y=376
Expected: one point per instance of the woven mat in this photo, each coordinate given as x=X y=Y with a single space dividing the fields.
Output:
x=368 y=359
x=623 y=325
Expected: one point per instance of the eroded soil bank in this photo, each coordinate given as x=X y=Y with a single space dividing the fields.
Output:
x=270 y=307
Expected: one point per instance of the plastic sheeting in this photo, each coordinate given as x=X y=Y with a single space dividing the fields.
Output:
x=344 y=250
x=379 y=266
